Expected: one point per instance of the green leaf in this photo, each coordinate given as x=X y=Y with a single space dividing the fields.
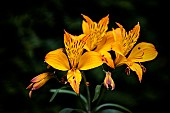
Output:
x=71 y=110
x=97 y=92
x=55 y=91
x=116 y=106
x=110 y=111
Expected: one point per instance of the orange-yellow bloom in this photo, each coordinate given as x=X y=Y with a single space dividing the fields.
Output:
x=39 y=81
x=99 y=39
x=73 y=59
x=97 y=31
x=124 y=42
x=108 y=81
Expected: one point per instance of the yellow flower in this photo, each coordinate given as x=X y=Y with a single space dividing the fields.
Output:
x=97 y=31
x=74 y=59
x=124 y=42
x=99 y=39
x=108 y=81
x=39 y=81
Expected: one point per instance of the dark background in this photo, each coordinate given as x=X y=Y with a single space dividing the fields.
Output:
x=29 y=29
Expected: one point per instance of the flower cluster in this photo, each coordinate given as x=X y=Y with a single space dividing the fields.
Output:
x=92 y=48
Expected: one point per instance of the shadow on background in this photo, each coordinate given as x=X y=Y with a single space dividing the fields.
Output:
x=30 y=29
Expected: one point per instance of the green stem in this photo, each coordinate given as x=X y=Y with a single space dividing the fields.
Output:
x=88 y=94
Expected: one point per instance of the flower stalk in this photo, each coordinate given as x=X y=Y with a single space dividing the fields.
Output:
x=88 y=93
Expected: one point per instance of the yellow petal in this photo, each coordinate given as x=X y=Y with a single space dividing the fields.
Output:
x=137 y=68
x=105 y=44
x=102 y=25
x=120 y=60
x=116 y=47
x=143 y=52
x=90 y=60
x=57 y=59
x=107 y=58
x=88 y=25
x=74 y=47
x=39 y=77
x=132 y=38
x=69 y=37
x=117 y=35
x=86 y=47
x=39 y=84
x=74 y=78
x=85 y=27
x=96 y=31
x=128 y=38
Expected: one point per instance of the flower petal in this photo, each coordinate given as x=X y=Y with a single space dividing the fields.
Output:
x=96 y=31
x=107 y=58
x=116 y=47
x=105 y=44
x=131 y=38
x=103 y=23
x=137 y=68
x=30 y=86
x=39 y=77
x=120 y=60
x=117 y=34
x=74 y=78
x=85 y=27
x=90 y=60
x=39 y=84
x=117 y=40
x=74 y=47
x=128 y=39
x=88 y=25
x=143 y=52
x=57 y=59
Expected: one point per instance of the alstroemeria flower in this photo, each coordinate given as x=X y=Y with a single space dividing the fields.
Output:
x=142 y=52
x=108 y=81
x=38 y=81
x=99 y=39
x=74 y=59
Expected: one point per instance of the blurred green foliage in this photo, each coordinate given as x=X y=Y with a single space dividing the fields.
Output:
x=29 y=29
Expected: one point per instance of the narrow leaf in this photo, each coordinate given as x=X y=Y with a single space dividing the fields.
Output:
x=71 y=110
x=116 y=106
x=97 y=92
x=55 y=91
x=110 y=111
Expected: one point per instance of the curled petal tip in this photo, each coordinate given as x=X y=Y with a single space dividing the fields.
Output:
x=30 y=94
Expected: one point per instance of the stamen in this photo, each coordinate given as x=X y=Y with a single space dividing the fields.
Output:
x=127 y=70
x=143 y=68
